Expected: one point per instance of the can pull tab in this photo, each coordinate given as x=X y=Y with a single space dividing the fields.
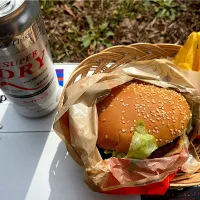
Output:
x=6 y=6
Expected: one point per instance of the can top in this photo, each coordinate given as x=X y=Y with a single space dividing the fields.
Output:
x=9 y=6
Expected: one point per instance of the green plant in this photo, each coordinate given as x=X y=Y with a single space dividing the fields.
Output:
x=97 y=35
x=125 y=9
x=46 y=6
x=168 y=9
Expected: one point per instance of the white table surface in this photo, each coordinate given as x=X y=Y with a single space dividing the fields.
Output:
x=34 y=163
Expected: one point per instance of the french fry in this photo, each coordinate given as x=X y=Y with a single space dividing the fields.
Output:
x=196 y=64
x=188 y=56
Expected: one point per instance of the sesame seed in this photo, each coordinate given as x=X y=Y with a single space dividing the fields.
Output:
x=157 y=118
x=139 y=114
x=103 y=110
x=121 y=100
x=123 y=122
x=173 y=120
x=123 y=111
x=156 y=140
x=112 y=95
x=122 y=118
x=145 y=117
x=111 y=105
x=128 y=121
x=163 y=123
x=156 y=128
x=160 y=140
x=129 y=97
x=134 y=120
x=123 y=130
x=106 y=136
x=132 y=128
x=153 y=101
x=104 y=119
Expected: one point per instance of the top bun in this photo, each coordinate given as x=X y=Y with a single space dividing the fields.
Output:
x=164 y=112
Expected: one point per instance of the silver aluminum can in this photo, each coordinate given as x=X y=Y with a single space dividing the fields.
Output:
x=27 y=75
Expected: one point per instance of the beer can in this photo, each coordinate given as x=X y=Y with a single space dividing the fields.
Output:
x=27 y=75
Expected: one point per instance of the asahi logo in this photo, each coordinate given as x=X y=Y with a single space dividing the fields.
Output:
x=25 y=68
x=3 y=98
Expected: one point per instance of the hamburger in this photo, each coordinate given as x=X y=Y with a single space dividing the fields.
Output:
x=139 y=120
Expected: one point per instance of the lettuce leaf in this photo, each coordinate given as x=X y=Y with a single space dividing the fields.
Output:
x=142 y=143
x=141 y=147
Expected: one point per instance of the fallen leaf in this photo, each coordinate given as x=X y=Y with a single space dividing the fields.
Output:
x=78 y=4
x=60 y=56
x=126 y=23
x=91 y=49
x=53 y=9
x=69 y=10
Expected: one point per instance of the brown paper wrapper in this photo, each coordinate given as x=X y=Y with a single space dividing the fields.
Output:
x=76 y=123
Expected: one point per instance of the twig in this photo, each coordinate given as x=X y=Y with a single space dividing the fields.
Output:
x=101 y=3
x=152 y=22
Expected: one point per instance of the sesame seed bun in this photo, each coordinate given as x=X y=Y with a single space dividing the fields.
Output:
x=164 y=112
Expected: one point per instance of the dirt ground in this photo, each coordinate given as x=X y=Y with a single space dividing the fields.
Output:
x=78 y=28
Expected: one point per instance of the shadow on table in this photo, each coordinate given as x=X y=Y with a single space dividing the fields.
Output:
x=66 y=180
x=14 y=122
x=20 y=153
